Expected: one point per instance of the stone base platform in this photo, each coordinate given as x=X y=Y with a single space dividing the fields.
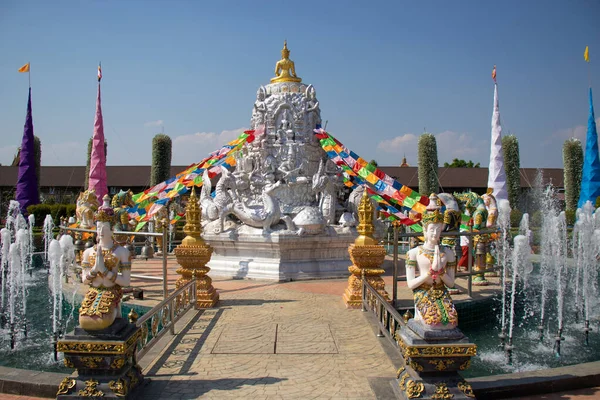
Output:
x=105 y=362
x=280 y=255
x=432 y=362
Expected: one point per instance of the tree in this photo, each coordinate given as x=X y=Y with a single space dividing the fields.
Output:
x=573 y=169
x=161 y=159
x=89 y=159
x=374 y=163
x=512 y=166
x=456 y=163
x=428 y=164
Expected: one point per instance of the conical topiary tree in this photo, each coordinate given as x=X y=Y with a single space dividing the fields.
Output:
x=161 y=159
x=573 y=168
x=512 y=166
x=89 y=159
x=428 y=165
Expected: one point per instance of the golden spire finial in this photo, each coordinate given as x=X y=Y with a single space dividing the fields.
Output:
x=193 y=227
x=285 y=71
x=365 y=217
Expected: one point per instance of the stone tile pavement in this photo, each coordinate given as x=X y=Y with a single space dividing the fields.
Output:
x=279 y=341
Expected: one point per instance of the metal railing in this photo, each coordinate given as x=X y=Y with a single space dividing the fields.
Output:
x=469 y=273
x=162 y=317
x=389 y=319
x=148 y=234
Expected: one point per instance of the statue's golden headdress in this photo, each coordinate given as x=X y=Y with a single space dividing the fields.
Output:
x=432 y=213
x=105 y=212
x=285 y=53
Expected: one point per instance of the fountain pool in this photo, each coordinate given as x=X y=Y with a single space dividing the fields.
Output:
x=36 y=350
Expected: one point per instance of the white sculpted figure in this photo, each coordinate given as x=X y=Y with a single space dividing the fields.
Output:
x=313 y=113
x=106 y=268
x=433 y=305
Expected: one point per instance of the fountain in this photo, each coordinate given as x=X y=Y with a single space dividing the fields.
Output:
x=548 y=300
x=16 y=256
x=55 y=255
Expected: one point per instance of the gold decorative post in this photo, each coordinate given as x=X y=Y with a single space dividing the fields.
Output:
x=367 y=257
x=193 y=254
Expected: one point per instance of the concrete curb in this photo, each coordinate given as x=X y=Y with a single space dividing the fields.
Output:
x=29 y=383
x=578 y=376
x=45 y=384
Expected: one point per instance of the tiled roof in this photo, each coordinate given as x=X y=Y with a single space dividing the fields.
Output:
x=127 y=176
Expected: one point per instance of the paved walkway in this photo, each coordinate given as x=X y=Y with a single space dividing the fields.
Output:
x=266 y=340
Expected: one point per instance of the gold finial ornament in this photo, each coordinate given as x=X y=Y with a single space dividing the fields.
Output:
x=285 y=70
x=193 y=227
x=365 y=217
x=192 y=255
x=367 y=257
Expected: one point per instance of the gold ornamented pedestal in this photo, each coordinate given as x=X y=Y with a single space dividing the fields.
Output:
x=367 y=257
x=193 y=254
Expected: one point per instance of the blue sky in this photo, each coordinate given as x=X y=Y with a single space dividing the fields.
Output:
x=384 y=72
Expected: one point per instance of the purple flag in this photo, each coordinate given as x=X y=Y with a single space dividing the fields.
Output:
x=27 y=184
x=97 y=179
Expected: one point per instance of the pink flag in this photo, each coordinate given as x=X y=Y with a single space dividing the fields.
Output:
x=97 y=180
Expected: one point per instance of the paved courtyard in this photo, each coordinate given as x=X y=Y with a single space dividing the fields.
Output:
x=270 y=341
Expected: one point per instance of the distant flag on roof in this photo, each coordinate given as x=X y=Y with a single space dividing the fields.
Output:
x=100 y=72
x=496 y=172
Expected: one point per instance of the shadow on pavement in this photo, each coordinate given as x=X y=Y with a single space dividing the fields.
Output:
x=186 y=364
x=192 y=389
x=249 y=302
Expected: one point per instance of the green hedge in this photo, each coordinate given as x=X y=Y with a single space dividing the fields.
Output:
x=55 y=210
x=515 y=218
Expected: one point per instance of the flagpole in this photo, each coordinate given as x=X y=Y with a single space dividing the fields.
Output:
x=589 y=74
x=29 y=74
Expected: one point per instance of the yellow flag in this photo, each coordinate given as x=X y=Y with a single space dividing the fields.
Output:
x=586 y=54
x=24 y=68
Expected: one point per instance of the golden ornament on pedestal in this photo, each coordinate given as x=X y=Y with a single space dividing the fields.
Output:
x=193 y=254
x=367 y=257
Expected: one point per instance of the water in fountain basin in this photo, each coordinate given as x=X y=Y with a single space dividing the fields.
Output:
x=553 y=289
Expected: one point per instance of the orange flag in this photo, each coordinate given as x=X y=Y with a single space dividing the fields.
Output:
x=494 y=74
x=24 y=68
